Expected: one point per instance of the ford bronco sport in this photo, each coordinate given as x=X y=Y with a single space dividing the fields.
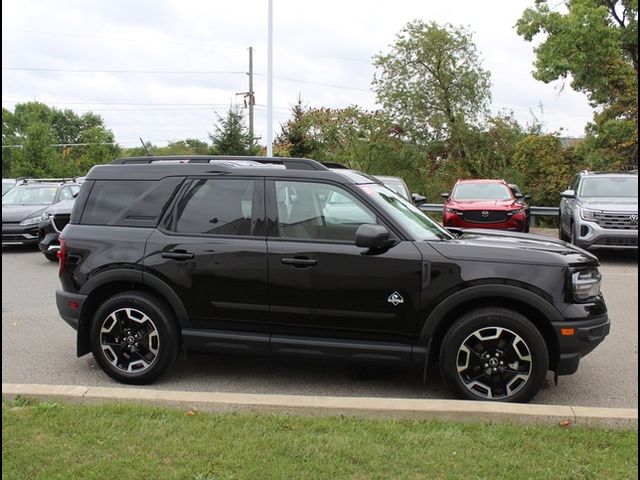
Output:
x=285 y=257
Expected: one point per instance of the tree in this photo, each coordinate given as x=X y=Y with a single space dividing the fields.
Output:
x=231 y=136
x=432 y=84
x=46 y=134
x=295 y=138
x=545 y=166
x=595 y=42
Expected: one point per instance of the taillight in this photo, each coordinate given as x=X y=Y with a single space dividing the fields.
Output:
x=62 y=255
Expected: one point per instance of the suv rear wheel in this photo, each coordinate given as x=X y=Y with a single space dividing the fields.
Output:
x=494 y=354
x=134 y=338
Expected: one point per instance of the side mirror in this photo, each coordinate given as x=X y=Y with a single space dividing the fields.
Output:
x=418 y=199
x=373 y=237
x=527 y=197
x=445 y=195
x=568 y=194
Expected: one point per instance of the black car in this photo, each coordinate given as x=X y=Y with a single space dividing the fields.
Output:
x=22 y=207
x=231 y=255
x=52 y=221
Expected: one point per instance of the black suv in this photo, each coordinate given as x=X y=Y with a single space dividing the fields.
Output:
x=270 y=256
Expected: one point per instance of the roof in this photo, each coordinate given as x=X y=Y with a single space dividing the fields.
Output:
x=482 y=180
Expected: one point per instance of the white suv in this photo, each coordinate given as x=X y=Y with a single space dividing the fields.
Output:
x=600 y=210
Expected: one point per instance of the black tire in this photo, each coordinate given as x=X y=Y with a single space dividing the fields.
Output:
x=509 y=377
x=52 y=257
x=134 y=338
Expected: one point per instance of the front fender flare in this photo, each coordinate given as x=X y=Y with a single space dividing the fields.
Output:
x=480 y=292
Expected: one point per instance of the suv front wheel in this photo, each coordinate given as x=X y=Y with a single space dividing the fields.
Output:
x=134 y=338
x=494 y=354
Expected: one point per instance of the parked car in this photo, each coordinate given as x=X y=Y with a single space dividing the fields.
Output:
x=206 y=254
x=52 y=221
x=522 y=198
x=22 y=207
x=7 y=184
x=398 y=185
x=599 y=210
x=483 y=204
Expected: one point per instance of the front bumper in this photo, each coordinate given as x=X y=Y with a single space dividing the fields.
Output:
x=49 y=239
x=591 y=235
x=588 y=335
x=516 y=223
x=16 y=234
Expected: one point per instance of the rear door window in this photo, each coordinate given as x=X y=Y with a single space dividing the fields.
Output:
x=215 y=207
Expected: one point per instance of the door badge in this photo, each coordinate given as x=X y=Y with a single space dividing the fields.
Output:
x=395 y=299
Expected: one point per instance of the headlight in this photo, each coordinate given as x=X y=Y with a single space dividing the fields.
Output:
x=454 y=211
x=515 y=212
x=30 y=221
x=586 y=284
x=588 y=214
x=45 y=216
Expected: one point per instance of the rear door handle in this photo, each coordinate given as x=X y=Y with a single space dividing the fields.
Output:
x=300 y=262
x=178 y=255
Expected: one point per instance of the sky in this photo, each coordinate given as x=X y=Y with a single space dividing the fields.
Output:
x=164 y=70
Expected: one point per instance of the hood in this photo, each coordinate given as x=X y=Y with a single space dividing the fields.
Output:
x=17 y=213
x=501 y=246
x=483 y=204
x=616 y=204
x=63 y=207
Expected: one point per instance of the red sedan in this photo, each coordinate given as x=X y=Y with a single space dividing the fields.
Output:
x=483 y=204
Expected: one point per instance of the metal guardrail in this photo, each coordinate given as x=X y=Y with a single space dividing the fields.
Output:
x=535 y=211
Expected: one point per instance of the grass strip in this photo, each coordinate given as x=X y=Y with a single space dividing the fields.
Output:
x=61 y=441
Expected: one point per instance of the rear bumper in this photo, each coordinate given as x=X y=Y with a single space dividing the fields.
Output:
x=588 y=335
x=70 y=306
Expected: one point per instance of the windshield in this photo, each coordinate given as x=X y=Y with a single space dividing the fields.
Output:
x=481 y=191
x=6 y=187
x=405 y=213
x=621 y=187
x=29 y=196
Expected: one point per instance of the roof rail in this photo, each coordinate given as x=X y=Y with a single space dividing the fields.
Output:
x=289 y=163
x=24 y=181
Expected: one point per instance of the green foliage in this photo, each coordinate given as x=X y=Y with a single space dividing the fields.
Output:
x=231 y=136
x=432 y=84
x=545 y=166
x=295 y=139
x=595 y=43
x=37 y=127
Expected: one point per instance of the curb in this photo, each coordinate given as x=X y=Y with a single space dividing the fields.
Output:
x=364 y=407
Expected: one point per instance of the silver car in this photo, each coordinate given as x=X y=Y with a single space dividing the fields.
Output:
x=600 y=210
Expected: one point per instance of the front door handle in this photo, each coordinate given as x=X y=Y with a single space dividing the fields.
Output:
x=300 y=262
x=178 y=255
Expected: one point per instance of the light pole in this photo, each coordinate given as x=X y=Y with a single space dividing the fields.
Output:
x=270 y=83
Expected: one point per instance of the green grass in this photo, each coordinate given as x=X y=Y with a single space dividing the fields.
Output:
x=58 y=441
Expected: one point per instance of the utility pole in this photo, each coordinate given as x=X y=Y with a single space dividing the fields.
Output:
x=250 y=96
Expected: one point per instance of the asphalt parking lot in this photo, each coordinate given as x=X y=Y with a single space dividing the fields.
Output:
x=39 y=347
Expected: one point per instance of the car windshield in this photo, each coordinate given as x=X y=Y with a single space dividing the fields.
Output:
x=397 y=187
x=481 y=191
x=29 y=196
x=621 y=187
x=6 y=187
x=405 y=213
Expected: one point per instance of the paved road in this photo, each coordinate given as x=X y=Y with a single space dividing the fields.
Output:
x=39 y=347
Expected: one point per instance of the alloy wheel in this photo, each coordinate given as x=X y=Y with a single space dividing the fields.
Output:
x=494 y=363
